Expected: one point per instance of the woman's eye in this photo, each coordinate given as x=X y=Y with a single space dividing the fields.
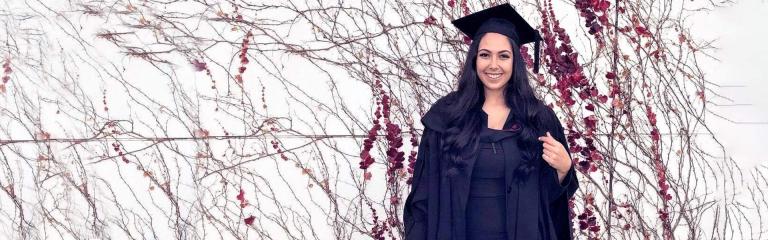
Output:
x=485 y=55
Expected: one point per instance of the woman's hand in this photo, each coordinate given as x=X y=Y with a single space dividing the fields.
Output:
x=556 y=155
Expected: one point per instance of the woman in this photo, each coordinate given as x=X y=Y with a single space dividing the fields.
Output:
x=493 y=162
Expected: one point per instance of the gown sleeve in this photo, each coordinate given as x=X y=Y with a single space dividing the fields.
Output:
x=558 y=193
x=415 y=211
x=570 y=183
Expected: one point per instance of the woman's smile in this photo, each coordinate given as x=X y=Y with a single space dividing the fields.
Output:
x=494 y=76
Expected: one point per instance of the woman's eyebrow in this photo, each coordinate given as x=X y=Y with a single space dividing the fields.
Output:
x=502 y=51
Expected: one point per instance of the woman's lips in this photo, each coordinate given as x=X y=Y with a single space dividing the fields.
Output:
x=493 y=76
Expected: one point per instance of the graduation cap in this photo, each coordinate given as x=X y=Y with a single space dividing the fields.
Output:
x=502 y=19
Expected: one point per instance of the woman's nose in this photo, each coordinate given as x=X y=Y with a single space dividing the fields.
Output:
x=494 y=62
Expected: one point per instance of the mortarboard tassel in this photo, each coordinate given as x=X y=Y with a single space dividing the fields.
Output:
x=536 y=48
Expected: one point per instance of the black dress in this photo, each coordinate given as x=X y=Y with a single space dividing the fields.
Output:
x=486 y=205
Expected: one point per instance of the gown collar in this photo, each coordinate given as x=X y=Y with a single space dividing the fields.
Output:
x=512 y=127
x=436 y=117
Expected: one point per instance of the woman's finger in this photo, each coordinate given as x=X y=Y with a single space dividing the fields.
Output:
x=552 y=146
x=546 y=139
x=558 y=149
x=551 y=141
x=549 y=153
x=547 y=159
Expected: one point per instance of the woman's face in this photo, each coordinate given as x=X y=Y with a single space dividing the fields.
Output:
x=494 y=61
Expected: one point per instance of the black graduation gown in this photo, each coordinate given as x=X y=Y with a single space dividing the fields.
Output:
x=436 y=205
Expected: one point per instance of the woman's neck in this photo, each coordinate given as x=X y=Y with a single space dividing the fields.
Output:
x=494 y=99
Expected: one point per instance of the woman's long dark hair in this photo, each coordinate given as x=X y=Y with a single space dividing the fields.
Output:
x=464 y=105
